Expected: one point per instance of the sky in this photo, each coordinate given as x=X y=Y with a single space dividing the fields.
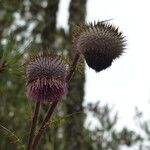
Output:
x=126 y=84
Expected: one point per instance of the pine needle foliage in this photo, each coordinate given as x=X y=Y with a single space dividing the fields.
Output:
x=14 y=139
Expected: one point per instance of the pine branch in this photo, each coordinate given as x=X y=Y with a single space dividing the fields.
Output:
x=13 y=137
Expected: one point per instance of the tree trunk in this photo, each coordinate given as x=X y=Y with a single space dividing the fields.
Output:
x=48 y=34
x=74 y=126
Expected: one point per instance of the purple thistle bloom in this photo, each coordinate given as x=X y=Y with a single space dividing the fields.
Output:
x=46 y=78
x=100 y=43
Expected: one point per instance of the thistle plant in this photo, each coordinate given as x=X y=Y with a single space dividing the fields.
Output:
x=100 y=43
x=48 y=75
x=46 y=82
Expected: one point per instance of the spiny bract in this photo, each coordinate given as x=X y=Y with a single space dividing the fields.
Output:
x=100 y=43
x=46 y=78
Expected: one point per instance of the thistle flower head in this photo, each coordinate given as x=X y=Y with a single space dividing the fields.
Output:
x=46 y=78
x=100 y=43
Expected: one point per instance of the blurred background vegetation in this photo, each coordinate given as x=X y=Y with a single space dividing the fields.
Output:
x=27 y=25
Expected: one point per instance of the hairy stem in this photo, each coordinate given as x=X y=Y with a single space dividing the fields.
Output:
x=33 y=125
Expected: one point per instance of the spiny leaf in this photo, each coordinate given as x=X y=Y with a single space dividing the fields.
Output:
x=13 y=138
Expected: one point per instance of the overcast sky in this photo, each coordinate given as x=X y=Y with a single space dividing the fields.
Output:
x=126 y=83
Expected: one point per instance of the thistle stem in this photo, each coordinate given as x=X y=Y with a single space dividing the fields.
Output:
x=43 y=125
x=73 y=66
x=33 y=125
x=53 y=106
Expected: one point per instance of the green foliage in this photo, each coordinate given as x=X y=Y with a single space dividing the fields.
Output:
x=14 y=108
x=59 y=120
x=13 y=138
x=105 y=135
x=11 y=57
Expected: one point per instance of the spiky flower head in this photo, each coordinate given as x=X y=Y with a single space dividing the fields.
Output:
x=100 y=43
x=46 y=78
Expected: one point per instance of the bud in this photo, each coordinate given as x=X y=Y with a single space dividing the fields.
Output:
x=46 y=78
x=100 y=43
